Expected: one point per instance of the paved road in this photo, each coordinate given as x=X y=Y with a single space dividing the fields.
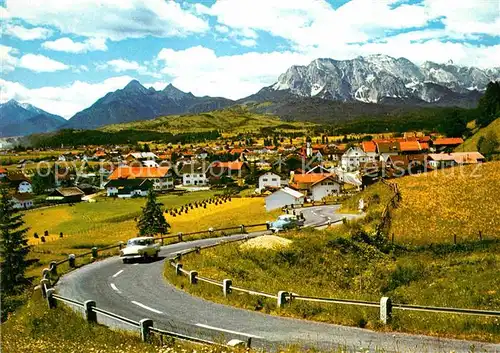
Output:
x=139 y=291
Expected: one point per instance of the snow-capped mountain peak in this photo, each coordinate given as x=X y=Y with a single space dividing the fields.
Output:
x=375 y=77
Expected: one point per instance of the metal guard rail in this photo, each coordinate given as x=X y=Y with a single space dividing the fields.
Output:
x=334 y=300
x=116 y=317
x=184 y=337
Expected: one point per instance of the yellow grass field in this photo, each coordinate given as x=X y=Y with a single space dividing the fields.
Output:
x=461 y=201
x=437 y=205
x=238 y=211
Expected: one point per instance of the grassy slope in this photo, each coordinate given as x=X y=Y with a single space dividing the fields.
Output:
x=436 y=205
x=228 y=120
x=471 y=143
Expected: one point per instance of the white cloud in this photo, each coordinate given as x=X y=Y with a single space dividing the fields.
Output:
x=482 y=16
x=63 y=100
x=9 y=58
x=122 y=65
x=221 y=29
x=40 y=63
x=111 y=19
x=312 y=25
x=248 y=42
x=68 y=45
x=27 y=33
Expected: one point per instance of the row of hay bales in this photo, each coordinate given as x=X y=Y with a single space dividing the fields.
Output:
x=217 y=200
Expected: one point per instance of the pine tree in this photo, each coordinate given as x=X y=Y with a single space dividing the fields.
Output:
x=13 y=244
x=152 y=221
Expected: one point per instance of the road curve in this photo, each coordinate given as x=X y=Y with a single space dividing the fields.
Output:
x=139 y=291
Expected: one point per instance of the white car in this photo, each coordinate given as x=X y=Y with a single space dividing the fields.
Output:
x=141 y=247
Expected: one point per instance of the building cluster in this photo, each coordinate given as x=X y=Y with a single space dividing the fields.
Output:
x=288 y=172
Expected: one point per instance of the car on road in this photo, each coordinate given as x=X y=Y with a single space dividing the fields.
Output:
x=140 y=247
x=286 y=222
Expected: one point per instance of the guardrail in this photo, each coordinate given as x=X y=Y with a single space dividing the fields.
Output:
x=385 y=304
x=144 y=326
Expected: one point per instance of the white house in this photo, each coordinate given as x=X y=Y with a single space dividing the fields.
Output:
x=149 y=163
x=283 y=197
x=326 y=187
x=269 y=179
x=352 y=158
x=24 y=187
x=194 y=174
x=22 y=201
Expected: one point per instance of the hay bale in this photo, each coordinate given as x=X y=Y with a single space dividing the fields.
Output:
x=267 y=242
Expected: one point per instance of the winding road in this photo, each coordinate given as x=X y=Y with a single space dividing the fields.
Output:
x=139 y=291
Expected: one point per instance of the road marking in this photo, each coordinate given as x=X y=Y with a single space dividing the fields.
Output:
x=228 y=331
x=114 y=287
x=117 y=274
x=146 y=307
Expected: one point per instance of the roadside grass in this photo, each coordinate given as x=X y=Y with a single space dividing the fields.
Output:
x=435 y=206
x=36 y=328
x=329 y=264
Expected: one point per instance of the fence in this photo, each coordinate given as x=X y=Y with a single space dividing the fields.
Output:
x=144 y=326
x=385 y=304
x=50 y=276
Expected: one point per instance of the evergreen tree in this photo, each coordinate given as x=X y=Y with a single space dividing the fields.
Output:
x=489 y=104
x=152 y=221
x=13 y=244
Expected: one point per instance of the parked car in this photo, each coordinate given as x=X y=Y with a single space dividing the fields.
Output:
x=141 y=247
x=286 y=222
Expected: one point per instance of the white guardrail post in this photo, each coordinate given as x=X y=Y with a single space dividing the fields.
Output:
x=51 y=301
x=385 y=310
x=90 y=314
x=282 y=299
x=45 y=273
x=53 y=268
x=178 y=268
x=44 y=283
x=193 y=277
x=226 y=286
x=71 y=260
x=144 y=326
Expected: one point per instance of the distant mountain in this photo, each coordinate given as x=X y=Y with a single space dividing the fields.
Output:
x=20 y=119
x=383 y=79
x=136 y=102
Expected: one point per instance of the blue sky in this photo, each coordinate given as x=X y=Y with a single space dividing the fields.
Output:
x=63 y=55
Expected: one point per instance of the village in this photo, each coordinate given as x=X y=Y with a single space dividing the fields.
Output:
x=284 y=172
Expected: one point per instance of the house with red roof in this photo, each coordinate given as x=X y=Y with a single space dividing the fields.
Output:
x=316 y=185
x=448 y=143
x=162 y=178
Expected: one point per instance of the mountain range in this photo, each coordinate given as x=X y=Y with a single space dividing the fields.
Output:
x=136 y=102
x=18 y=119
x=384 y=79
x=325 y=89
